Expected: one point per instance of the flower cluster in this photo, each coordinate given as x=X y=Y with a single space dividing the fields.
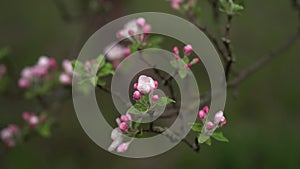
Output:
x=145 y=85
x=66 y=77
x=10 y=135
x=37 y=73
x=187 y=50
x=219 y=119
x=135 y=30
x=115 y=52
x=33 y=120
x=117 y=135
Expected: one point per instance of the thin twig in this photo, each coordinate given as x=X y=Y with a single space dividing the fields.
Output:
x=265 y=59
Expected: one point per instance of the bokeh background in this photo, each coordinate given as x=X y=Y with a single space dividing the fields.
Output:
x=263 y=113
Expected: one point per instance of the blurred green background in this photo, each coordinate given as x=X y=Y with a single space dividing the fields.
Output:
x=263 y=113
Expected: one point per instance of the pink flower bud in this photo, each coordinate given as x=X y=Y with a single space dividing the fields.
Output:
x=188 y=49
x=24 y=83
x=6 y=134
x=196 y=60
x=206 y=109
x=201 y=114
x=124 y=118
x=188 y=65
x=218 y=117
x=123 y=126
x=52 y=64
x=122 y=147
x=155 y=83
x=26 y=115
x=33 y=121
x=14 y=129
x=43 y=61
x=136 y=95
x=130 y=32
x=120 y=34
x=26 y=73
x=135 y=85
x=175 y=4
x=9 y=143
x=175 y=49
x=223 y=121
x=126 y=52
x=176 y=57
x=210 y=125
x=140 y=22
x=129 y=117
x=65 y=79
x=67 y=66
x=155 y=98
x=147 y=29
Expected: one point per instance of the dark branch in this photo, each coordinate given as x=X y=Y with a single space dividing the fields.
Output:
x=265 y=59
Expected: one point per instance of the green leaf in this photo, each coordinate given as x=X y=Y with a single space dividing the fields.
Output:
x=141 y=107
x=137 y=123
x=164 y=101
x=155 y=41
x=174 y=63
x=237 y=8
x=186 y=60
x=101 y=83
x=197 y=127
x=100 y=60
x=134 y=48
x=94 y=80
x=106 y=70
x=208 y=142
x=44 y=130
x=220 y=137
x=202 y=138
x=182 y=73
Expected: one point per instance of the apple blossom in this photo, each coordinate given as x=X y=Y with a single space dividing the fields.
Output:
x=145 y=84
x=218 y=117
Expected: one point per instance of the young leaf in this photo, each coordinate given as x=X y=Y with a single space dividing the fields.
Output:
x=197 y=127
x=202 y=138
x=174 y=63
x=134 y=48
x=220 y=137
x=208 y=142
x=164 y=101
x=44 y=130
x=182 y=73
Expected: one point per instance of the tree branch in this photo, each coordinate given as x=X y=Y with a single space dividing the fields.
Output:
x=265 y=59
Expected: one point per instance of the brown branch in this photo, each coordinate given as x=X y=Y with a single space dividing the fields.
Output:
x=227 y=43
x=191 y=16
x=265 y=59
